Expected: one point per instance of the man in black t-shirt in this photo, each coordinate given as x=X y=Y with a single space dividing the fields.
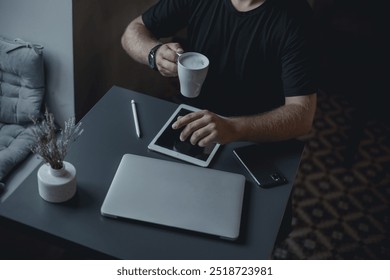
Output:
x=260 y=84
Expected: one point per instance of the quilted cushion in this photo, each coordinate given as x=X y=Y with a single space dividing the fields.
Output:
x=21 y=81
x=15 y=143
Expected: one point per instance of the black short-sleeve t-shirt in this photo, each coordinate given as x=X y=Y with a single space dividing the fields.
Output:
x=257 y=58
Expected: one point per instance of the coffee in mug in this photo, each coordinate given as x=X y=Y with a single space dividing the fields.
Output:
x=192 y=71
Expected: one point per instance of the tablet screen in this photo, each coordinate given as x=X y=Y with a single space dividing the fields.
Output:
x=168 y=141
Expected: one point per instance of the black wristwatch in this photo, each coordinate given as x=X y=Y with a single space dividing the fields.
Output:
x=152 y=57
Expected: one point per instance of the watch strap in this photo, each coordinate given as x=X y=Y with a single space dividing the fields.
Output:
x=152 y=56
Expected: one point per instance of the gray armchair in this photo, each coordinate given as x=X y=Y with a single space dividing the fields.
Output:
x=22 y=87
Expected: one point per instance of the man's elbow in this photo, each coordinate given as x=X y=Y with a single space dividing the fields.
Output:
x=130 y=32
x=306 y=129
x=310 y=109
x=306 y=124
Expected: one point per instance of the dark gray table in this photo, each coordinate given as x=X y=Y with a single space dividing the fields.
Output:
x=108 y=134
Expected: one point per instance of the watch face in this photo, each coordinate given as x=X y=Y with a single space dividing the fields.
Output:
x=152 y=57
x=151 y=60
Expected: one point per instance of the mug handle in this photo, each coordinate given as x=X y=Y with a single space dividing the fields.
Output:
x=177 y=56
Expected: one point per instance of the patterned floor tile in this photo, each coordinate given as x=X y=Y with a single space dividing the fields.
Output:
x=341 y=207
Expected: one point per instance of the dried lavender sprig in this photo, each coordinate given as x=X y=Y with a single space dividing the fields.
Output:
x=52 y=146
x=69 y=134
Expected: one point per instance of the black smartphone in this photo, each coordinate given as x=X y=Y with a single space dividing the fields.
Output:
x=263 y=172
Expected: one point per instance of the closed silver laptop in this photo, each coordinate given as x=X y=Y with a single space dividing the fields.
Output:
x=176 y=195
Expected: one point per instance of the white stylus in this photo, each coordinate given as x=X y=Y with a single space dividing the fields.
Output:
x=137 y=130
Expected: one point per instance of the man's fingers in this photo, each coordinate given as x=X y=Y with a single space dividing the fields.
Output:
x=166 y=59
x=184 y=120
x=195 y=127
x=201 y=136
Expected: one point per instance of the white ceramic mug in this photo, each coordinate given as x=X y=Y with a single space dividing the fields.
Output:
x=192 y=71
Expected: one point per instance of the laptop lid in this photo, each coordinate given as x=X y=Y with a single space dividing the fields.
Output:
x=177 y=195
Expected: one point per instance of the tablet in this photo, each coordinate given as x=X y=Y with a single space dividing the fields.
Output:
x=167 y=141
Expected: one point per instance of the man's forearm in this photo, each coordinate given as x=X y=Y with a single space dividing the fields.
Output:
x=137 y=41
x=289 y=121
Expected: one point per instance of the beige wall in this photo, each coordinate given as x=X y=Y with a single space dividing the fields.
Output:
x=99 y=60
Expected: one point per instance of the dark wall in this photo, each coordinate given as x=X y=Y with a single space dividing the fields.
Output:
x=99 y=60
x=354 y=52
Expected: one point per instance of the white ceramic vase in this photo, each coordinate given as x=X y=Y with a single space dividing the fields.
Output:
x=57 y=185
